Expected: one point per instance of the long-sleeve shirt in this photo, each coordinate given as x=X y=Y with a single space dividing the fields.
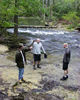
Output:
x=37 y=48
x=20 y=57
x=67 y=55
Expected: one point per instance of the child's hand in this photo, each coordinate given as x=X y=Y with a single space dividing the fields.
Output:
x=30 y=47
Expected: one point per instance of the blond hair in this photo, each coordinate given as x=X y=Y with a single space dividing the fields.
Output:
x=65 y=44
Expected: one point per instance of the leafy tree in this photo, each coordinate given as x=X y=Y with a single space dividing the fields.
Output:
x=6 y=13
x=30 y=8
x=72 y=18
x=11 y=9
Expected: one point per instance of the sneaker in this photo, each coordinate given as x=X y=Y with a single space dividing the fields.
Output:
x=34 y=67
x=63 y=78
x=23 y=80
x=19 y=82
x=66 y=76
x=38 y=66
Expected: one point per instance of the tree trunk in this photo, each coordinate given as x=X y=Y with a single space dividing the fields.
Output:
x=44 y=12
x=51 y=6
x=48 y=3
x=16 y=24
x=16 y=19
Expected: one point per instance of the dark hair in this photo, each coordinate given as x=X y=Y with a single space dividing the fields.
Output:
x=19 y=46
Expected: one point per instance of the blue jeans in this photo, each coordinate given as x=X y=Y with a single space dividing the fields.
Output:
x=21 y=72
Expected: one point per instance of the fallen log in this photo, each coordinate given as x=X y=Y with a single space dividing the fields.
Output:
x=31 y=26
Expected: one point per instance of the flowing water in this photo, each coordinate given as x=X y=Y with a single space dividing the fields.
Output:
x=52 y=39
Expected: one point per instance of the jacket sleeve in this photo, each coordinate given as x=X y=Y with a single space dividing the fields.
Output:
x=43 y=49
x=68 y=55
x=32 y=43
x=26 y=49
x=16 y=57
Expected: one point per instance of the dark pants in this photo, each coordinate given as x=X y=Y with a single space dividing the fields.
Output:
x=37 y=57
x=65 y=66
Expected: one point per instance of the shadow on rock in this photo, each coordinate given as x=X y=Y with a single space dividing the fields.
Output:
x=34 y=96
x=50 y=85
x=4 y=96
x=71 y=88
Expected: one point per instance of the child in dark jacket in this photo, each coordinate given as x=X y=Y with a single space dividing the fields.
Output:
x=20 y=59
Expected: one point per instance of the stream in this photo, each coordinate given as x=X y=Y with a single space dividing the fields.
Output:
x=52 y=39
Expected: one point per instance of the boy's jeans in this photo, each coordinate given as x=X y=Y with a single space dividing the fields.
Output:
x=21 y=72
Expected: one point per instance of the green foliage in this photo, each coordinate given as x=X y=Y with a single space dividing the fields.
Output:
x=72 y=18
x=31 y=8
x=6 y=13
x=24 y=8
x=62 y=7
x=30 y=21
x=78 y=25
x=66 y=9
x=13 y=41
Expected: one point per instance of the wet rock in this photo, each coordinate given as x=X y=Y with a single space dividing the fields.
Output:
x=3 y=48
x=57 y=65
x=37 y=90
x=43 y=81
x=34 y=96
x=72 y=88
x=19 y=97
x=1 y=81
x=4 y=96
x=50 y=85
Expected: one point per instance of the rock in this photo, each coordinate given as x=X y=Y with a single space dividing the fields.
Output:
x=4 y=96
x=42 y=84
x=57 y=65
x=33 y=96
x=46 y=24
x=3 y=48
x=78 y=28
x=71 y=88
x=50 y=85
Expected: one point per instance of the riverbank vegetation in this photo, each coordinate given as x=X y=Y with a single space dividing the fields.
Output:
x=39 y=12
x=46 y=10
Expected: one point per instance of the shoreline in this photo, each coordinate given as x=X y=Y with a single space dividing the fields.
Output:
x=3 y=48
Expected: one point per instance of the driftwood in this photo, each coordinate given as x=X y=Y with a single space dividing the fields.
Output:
x=31 y=26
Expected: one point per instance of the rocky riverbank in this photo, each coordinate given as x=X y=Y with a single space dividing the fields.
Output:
x=41 y=84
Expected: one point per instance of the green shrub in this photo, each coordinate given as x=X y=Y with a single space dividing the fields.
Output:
x=78 y=25
x=13 y=41
x=72 y=18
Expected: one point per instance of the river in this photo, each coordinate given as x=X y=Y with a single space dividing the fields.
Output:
x=52 y=39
